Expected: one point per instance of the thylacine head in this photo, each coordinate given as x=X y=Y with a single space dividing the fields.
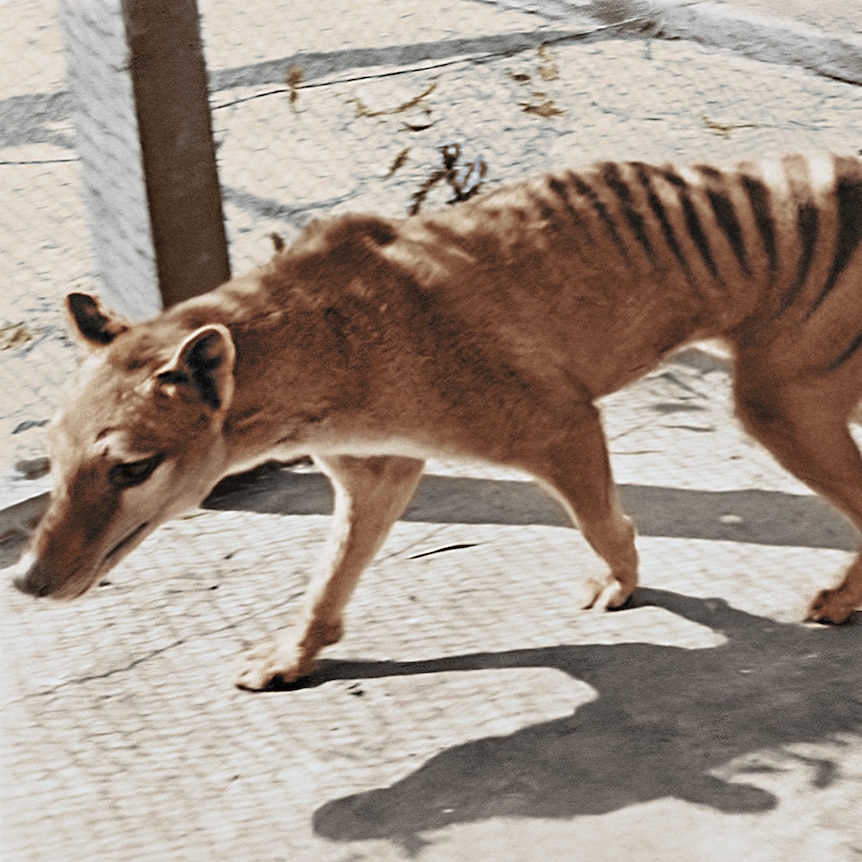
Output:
x=165 y=408
x=121 y=457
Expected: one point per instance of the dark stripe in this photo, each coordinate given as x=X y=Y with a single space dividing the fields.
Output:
x=692 y=222
x=848 y=199
x=577 y=236
x=807 y=226
x=657 y=208
x=611 y=175
x=711 y=172
x=585 y=189
x=758 y=195
x=725 y=215
x=559 y=188
x=854 y=345
x=548 y=213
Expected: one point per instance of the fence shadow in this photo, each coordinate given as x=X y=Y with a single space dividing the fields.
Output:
x=664 y=720
x=761 y=517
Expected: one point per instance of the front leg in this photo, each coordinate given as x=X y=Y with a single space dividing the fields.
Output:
x=370 y=495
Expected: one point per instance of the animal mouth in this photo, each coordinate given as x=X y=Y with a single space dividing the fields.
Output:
x=124 y=543
x=38 y=581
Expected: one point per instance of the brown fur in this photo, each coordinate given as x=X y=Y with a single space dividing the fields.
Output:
x=484 y=332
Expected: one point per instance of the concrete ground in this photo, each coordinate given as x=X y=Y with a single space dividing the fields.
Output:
x=472 y=711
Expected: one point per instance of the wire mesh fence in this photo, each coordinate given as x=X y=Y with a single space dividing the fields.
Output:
x=348 y=107
x=339 y=106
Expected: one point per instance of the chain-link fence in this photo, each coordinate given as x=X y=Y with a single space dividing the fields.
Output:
x=122 y=737
x=311 y=119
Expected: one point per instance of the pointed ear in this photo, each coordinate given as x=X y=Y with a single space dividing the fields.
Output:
x=202 y=367
x=96 y=326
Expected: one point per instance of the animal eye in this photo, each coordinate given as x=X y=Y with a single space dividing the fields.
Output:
x=134 y=473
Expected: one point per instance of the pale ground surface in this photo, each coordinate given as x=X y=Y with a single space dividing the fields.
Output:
x=837 y=16
x=472 y=711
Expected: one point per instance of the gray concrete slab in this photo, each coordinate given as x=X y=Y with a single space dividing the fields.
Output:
x=472 y=712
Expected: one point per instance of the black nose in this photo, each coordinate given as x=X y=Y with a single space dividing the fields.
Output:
x=35 y=582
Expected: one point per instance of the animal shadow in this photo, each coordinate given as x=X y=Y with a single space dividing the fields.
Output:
x=665 y=718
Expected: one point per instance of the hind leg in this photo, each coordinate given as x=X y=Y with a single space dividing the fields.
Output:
x=576 y=470
x=805 y=426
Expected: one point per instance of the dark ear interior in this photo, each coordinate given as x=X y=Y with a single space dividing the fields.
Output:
x=95 y=325
x=203 y=366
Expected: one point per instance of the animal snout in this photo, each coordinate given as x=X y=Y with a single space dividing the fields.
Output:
x=36 y=580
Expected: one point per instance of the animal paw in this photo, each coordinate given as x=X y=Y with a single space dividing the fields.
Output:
x=607 y=595
x=279 y=662
x=830 y=606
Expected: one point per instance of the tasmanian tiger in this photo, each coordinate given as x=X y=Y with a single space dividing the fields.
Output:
x=487 y=331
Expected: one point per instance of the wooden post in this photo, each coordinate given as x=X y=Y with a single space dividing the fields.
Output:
x=170 y=87
x=136 y=73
